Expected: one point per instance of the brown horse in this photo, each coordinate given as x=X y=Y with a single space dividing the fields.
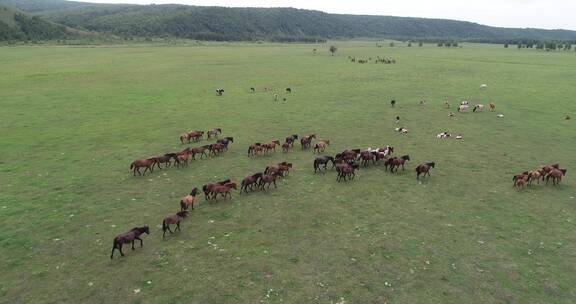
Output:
x=223 y=190
x=188 y=200
x=397 y=162
x=271 y=145
x=147 y=164
x=556 y=175
x=291 y=139
x=182 y=158
x=368 y=156
x=255 y=149
x=492 y=106
x=173 y=220
x=207 y=189
x=128 y=237
x=214 y=132
x=523 y=175
x=268 y=179
x=535 y=175
x=520 y=183
x=198 y=150
x=226 y=141
x=284 y=169
x=321 y=146
x=250 y=181
x=306 y=141
x=346 y=170
x=191 y=135
x=424 y=169
x=165 y=159
x=285 y=147
x=216 y=149
x=323 y=160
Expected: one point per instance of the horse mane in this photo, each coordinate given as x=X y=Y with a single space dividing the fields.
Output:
x=432 y=164
x=224 y=182
x=259 y=174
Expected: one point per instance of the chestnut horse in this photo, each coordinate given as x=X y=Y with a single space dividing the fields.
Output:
x=165 y=159
x=271 y=145
x=323 y=160
x=424 y=169
x=556 y=175
x=397 y=162
x=368 y=156
x=223 y=190
x=321 y=146
x=346 y=170
x=307 y=140
x=188 y=200
x=173 y=220
x=250 y=181
x=255 y=149
x=128 y=237
x=268 y=179
x=208 y=188
x=492 y=106
x=147 y=164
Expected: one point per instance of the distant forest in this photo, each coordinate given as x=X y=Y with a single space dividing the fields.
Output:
x=58 y=19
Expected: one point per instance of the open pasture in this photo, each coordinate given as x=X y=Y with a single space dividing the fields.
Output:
x=74 y=118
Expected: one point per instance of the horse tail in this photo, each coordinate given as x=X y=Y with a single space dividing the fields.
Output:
x=132 y=165
x=249 y=149
x=113 y=247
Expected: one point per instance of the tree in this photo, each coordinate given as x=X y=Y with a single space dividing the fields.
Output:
x=391 y=44
x=420 y=44
x=409 y=44
x=333 y=49
x=505 y=45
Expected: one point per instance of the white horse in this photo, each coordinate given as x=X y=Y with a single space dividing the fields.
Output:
x=463 y=108
x=478 y=108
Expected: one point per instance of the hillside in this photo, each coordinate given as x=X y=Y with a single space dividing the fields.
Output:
x=15 y=25
x=283 y=24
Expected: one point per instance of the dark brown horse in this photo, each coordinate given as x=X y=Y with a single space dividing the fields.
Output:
x=255 y=149
x=165 y=159
x=226 y=141
x=188 y=200
x=368 y=156
x=128 y=237
x=147 y=164
x=291 y=139
x=346 y=170
x=397 y=162
x=424 y=169
x=323 y=160
x=207 y=189
x=268 y=179
x=250 y=181
x=223 y=190
x=173 y=220
x=285 y=147
x=306 y=141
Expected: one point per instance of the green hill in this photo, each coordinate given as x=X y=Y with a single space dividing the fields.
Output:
x=284 y=24
x=15 y=25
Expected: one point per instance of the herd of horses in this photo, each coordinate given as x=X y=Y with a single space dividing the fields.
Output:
x=544 y=173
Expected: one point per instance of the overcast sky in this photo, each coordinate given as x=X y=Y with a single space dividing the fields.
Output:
x=549 y=14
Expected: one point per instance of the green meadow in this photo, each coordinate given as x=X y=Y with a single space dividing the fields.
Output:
x=74 y=118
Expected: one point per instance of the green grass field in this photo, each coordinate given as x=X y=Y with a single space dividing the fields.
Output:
x=74 y=118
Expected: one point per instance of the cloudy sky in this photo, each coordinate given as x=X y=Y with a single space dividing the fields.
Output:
x=549 y=14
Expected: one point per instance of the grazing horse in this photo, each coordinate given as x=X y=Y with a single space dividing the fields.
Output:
x=128 y=237
x=424 y=169
x=397 y=162
x=323 y=160
x=207 y=189
x=321 y=146
x=307 y=140
x=214 y=132
x=188 y=200
x=368 y=156
x=198 y=150
x=478 y=108
x=556 y=175
x=288 y=90
x=346 y=170
x=492 y=106
x=147 y=164
x=223 y=190
x=250 y=181
x=173 y=220
x=255 y=149
x=268 y=179
x=291 y=139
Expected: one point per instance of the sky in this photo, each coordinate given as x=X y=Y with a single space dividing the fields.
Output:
x=548 y=14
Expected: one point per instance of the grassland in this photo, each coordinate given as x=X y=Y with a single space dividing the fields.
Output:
x=73 y=119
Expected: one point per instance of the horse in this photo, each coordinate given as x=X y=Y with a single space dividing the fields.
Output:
x=388 y=163
x=535 y=175
x=182 y=158
x=223 y=190
x=520 y=183
x=368 y=156
x=306 y=141
x=226 y=141
x=252 y=90
x=288 y=90
x=271 y=145
x=275 y=168
x=254 y=149
x=321 y=146
x=346 y=170
x=478 y=108
x=348 y=155
x=188 y=200
x=215 y=149
x=492 y=106
x=291 y=139
x=523 y=175
x=147 y=164
x=424 y=169
x=556 y=175
x=285 y=147
x=128 y=237
x=284 y=169
x=220 y=92
x=392 y=102
x=214 y=132
x=198 y=150
x=323 y=160
x=250 y=181
x=547 y=169
x=173 y=220
x=463 y=108
x=397 y=162
x=268 y=179
x=207 y=189
x=165 y=159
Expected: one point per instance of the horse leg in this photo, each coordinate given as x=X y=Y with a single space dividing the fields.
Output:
x=178 y=226
x=120 y=249
x=133 y=243
x=113 y=247
x=141 y=243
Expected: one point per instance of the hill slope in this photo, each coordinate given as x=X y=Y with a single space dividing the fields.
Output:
x=15 y=25
x=219 y=23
